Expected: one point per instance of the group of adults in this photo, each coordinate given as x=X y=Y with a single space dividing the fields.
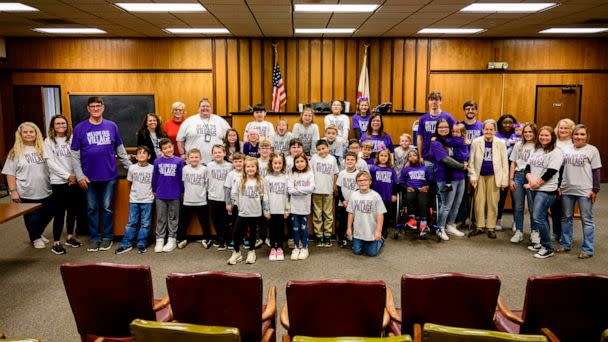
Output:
x=551 y=168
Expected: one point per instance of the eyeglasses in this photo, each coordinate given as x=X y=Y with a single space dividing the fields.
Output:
x=95 y=106
x=264 y=148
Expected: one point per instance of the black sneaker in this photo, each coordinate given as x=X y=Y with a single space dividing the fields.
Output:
x=72 y=242
x=141 y=249
x=93 y=246
x=258 y=242
x=343 y=243
x=58 y=249
x=123 y=249
x=221 y=247
x=320 y=241
x=535 y=248
x=327 y=242
x=543 y=253
x=105 y=245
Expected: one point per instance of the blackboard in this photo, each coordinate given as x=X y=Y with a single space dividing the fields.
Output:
x=127 y=111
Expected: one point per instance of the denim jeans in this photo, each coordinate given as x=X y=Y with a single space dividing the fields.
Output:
x=519 y=198
x=450 y=202
x=101 y=194
x=140 y=214
x=36 y=221
x=541 y=202
x=586 y=206
x=370 y=248
x=299 y=226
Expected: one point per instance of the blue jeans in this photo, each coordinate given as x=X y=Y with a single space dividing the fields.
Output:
x=449 y=202
x=138 y=213
x=586 y=206
x=519 y=199
x=370 y=248
x=36 y=221
x=299 y=225
x=101 y=194
x=541 y=202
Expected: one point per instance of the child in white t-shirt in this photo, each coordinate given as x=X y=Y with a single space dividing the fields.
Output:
x=217 y=171
x=194 y=176
x=233 y=211
x=280 y=141
x=300 y=186
x=340 y=121
x=278 y=201
x=365 y=217
x=325 y=169
x=347 y=184
x=263 y=127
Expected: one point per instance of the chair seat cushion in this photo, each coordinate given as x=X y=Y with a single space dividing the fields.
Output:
x=442 y=333
x=401 y=338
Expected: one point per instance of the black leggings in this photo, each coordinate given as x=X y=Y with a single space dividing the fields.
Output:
x=341 y=218
x=501 y=202
x=242 y=223
x=67 y=198
x=186 y=213
x=417 y=203
x=389 y=217
x=556 y=217
x=276 y=228
x=219 y=218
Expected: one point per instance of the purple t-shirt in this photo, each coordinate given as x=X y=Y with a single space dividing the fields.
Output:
x=369 y=161
x=250 y=150
x=383 y=179
x=427 y=125
x=473 y=131
x=97 y=145
x=415 y=176
x=167 y=178
x=361 y=122
x=460 y=149
x=487 y=168
x=379 y=143
x=437 y=152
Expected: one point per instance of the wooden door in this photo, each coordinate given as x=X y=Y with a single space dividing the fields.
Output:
x=29 y=105
x=555 y=102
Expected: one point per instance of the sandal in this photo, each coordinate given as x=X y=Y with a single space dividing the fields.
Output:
x=584 y=255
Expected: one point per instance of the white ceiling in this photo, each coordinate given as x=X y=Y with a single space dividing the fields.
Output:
x=275 y=18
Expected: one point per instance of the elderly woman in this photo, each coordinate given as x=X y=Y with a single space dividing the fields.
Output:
x=171 y=127
x=488 y=173
x=580 y=183
x=542 y=173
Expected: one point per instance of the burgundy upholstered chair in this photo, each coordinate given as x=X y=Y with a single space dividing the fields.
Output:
x=453 y=299
x=224 y=299
x=106 y=297
x=572 y=306
x=332 y=308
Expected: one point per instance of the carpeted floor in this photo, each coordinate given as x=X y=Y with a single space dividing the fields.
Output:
x=33 y=301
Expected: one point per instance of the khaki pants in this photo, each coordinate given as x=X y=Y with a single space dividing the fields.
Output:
x=322 y=214
x=487 y=195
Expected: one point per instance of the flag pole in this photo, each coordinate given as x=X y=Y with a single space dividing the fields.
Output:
x=276 y=52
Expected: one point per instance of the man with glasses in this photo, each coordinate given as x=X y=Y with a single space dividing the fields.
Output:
x=201 y=131
x=473 y=126
x=95 y=143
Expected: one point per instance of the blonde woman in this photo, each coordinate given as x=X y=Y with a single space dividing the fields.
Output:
x=489 y=173
x=563 y=130
x=171 y=126
x=28 y=179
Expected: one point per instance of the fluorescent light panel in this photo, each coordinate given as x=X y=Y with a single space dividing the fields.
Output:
x=197 y=30
x=344 y=8
x=69 y=30
x=574 y=30
x=324 y=30
x=16 y=7
x=520 y=7
x=450 y=30
x=161 y=7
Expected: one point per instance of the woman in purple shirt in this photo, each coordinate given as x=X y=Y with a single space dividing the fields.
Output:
x=449 y=200
x=376 y=135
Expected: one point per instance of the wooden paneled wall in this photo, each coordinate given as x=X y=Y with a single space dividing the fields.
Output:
x=237 y=72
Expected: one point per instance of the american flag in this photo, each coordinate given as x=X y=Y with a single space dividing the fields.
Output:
x=278 y=89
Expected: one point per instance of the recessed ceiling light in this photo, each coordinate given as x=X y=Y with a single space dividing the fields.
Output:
x=333 y=8
x=574 y=30
x=324 y=30
x=69 y=30
x=450 y=30
x=519 y=7
x=161 y=7
x=197 y=30
x=16 y=7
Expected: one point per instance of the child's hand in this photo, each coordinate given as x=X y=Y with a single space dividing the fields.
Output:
x=229 y=209
x=377 y=235
x=527 y=186
x=410 y=189
x=349 y=233
x=425 y=188
x=394 y=198
x=267 y=216
x=466 y=165
x=286 y=215
x=345 y=203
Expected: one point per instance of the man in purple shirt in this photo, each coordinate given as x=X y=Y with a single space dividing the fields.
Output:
x=427 y=124
x=473 y=126
x=95 y=143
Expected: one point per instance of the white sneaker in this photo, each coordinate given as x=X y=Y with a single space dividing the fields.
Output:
x=182 y=244
x=44 y=239
x=517 y=237
x=535 y=237
x=170 y=246
x=250 y=257
x=303 y=254
x=267 y=241
x=280 y=256
x=513 y=227
x=498 y=225
x=39 y=243
x=273 y=255
x=442 y=235
x=295 y=253
x=159 y=245
x=234 y=258
x=452 y=230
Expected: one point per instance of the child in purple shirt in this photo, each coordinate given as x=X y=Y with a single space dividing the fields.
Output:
x=361 y=118
x=167 y=187
x=377 y=137
x=415 y=179
x=461 y=150
x=251 y=147
x=384 y=182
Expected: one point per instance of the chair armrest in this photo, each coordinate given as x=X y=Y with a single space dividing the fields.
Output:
x=285 y=316
x=271 y=305
x=505 y=311
x=286 y=338
x=550 y=335
x=417 y=332
x=99 y=339
x=390 y=306
x=162 y=304
x=267 y=337
x=2 y=337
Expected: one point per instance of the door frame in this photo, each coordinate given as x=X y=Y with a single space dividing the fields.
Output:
x=580 y=97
